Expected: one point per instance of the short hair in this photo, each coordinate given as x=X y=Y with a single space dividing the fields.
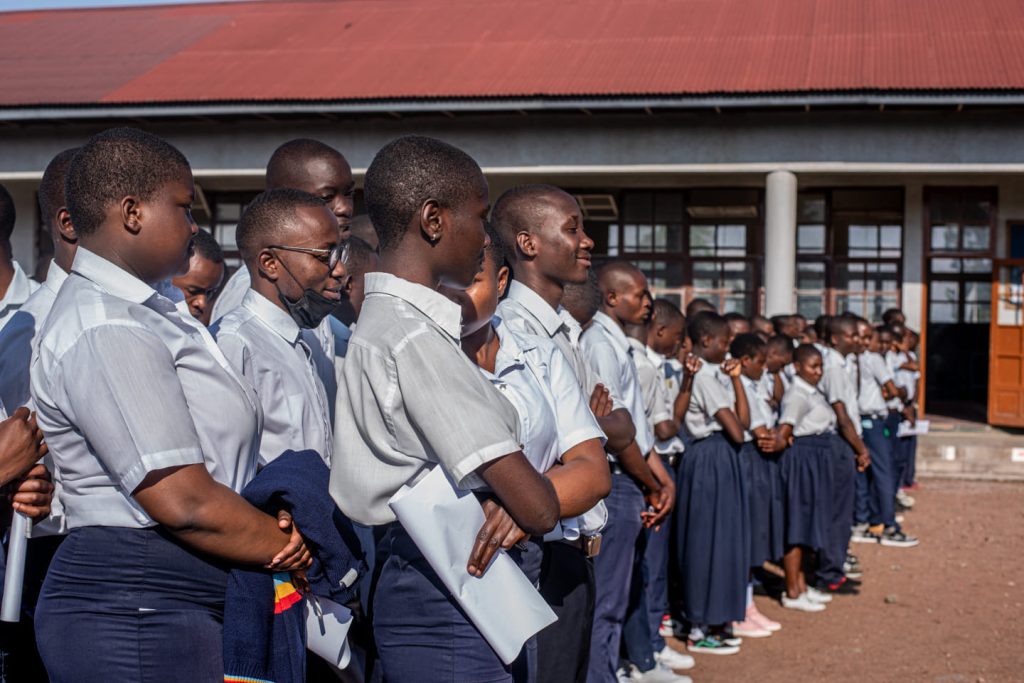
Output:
x=747 y=345
x=583 y=300
x=823 y=327
x=266 y=214
x=699 y=305
x=495 y=249
x=362 y=228
x=407 y=172
x=51 y=187
x=360 y=254
x=883 y=329
x=805 y=352
x=115 y=164
x=286 y=163
x=734 y=315
x=780 y=321
x=841 y=322
x=664 y=312
x=517 y=210
x=781 y=342
x=891 y=315
x=207 y=247
x=8 y=214
x=705 y=323
x=898 y=331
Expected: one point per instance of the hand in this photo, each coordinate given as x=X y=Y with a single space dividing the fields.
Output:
x=863 y=461
x=33 y=494
x=600 y=401
x=691 y=366
x=662 y=502
x=294 y=556
x=21 y=444
x=770 y=444
x=731 y=367
x=499 y=531
x=909 y=414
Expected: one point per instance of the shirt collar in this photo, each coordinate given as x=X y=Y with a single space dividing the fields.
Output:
x=111 y=278
x=272 y=316
x=548 y=317
x=443 y=311
x=19 y=289
x=637 y=345
x=803 y=385
x=613 y=330
x=656 y=358
x=55 y=277
x=510 y=351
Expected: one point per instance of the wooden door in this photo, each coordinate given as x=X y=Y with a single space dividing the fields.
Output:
x=1006 y=354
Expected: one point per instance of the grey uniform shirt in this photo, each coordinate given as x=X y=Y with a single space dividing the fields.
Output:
x=712 y=390
x=873 y=375
x=18 y=292
x=411 y=400
x=805 y=407
x=661 y=387
x=761 y=413
x=838 y=385
x=126 y=383
x=293 y=377
x=608 y=351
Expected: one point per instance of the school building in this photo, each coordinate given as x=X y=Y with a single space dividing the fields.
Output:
x=772 y=155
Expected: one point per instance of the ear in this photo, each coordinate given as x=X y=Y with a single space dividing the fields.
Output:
x=349 y=284
x=432 y=221
x=611 y=298
x=131 y=214
x=503 y=274
x=526 y=243
x=65 y=227
x=268 y=265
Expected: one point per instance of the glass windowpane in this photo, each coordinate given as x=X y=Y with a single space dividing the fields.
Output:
x=945 y=237
x=976 y=238
x=943 y=313
x=810 y=239
x=702 y=240
x=977 y=265
x=946 y=265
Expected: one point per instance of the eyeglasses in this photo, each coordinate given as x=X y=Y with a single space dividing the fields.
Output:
x=329 y=257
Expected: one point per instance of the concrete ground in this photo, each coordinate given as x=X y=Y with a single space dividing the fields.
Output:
x=949 y=610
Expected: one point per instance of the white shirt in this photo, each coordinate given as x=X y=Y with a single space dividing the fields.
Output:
x=761 y=413
x=525 y=311
x=410 y=400
x=293 y=377
x=17 y=341
x=231 y=296
x=341 y=333
x=837 y=384
x=126 y=383
x=668 y=388
x=711 y=392
x=18 y=292
x=607 y=349
x=805 y=408
x=673 y=378
x=873 y=375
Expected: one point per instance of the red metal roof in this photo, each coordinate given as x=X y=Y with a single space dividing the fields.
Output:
x=401 y=49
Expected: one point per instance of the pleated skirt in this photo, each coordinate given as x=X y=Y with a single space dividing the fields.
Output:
x=763 y=482
x=712 y=532
x=806 y=469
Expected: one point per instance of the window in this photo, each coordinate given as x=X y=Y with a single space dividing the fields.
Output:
x=690 y=243
x=849 y=250
x=226 y=209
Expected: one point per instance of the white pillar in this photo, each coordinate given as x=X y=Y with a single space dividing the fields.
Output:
x=914 y=239
x=780 y=243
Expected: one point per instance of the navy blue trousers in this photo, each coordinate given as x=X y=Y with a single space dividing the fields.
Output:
x=844 y=474
x=880 y=478
x=567 y=585
x=130 y=605
x=422 y=634
x=613 y=573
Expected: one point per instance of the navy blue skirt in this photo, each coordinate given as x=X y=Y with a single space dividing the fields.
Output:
x=807 y=481
x=712 y=532
x=130 y=605
x=767 y=513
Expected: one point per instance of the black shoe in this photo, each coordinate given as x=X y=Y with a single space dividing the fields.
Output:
x=844 y=587
x=894 y=538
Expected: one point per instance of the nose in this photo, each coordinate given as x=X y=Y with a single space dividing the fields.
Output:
x=339 y=270
x=199 y=304
x=585 y=242
x=343 y=206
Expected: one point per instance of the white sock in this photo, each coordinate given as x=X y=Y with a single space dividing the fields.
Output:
x=750 y=594
x=696 y=633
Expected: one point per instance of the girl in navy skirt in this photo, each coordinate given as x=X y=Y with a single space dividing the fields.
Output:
x=806 y=422
x=712 y=521
x=760 y=474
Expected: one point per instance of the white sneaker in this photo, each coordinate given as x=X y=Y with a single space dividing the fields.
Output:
x=802 y=603
x=660 y=674
x=625 y=675
x=904 y=499
x=820 y=597
x=673 y=660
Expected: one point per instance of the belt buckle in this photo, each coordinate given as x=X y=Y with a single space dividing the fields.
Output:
x=591 y=545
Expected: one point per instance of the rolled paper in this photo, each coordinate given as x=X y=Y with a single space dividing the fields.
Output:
x=14 y=578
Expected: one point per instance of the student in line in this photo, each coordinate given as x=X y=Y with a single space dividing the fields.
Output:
x=738 y=324
x=204 y=277
x=713 y=524
x=15 y=285
x=414 y=401
x=289 y=244
x=152 y=433
x=320 y=170
x=558 y=429
x=761 y=477
x=806 y=425
x=639 y=498
x=549 y=252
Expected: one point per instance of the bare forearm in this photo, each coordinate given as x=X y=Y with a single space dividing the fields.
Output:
x=742 y=407
x=633 y=462
x=581 y=482
x=618 y=428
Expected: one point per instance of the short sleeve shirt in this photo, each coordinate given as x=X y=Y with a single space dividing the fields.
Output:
x=411 y=400
x=874 y=374
x=712 y=391
x=761 y=413
x=806 y=409
x=126 y=383
x=837 y=385
x=18 y=292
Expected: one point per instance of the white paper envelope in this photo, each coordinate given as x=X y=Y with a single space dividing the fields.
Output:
x=443 y=522
x=327 y=625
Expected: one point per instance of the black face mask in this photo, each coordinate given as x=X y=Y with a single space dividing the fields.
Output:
x=310 y=310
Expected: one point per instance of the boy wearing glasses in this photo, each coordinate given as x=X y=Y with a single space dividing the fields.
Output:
x=289 y=241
